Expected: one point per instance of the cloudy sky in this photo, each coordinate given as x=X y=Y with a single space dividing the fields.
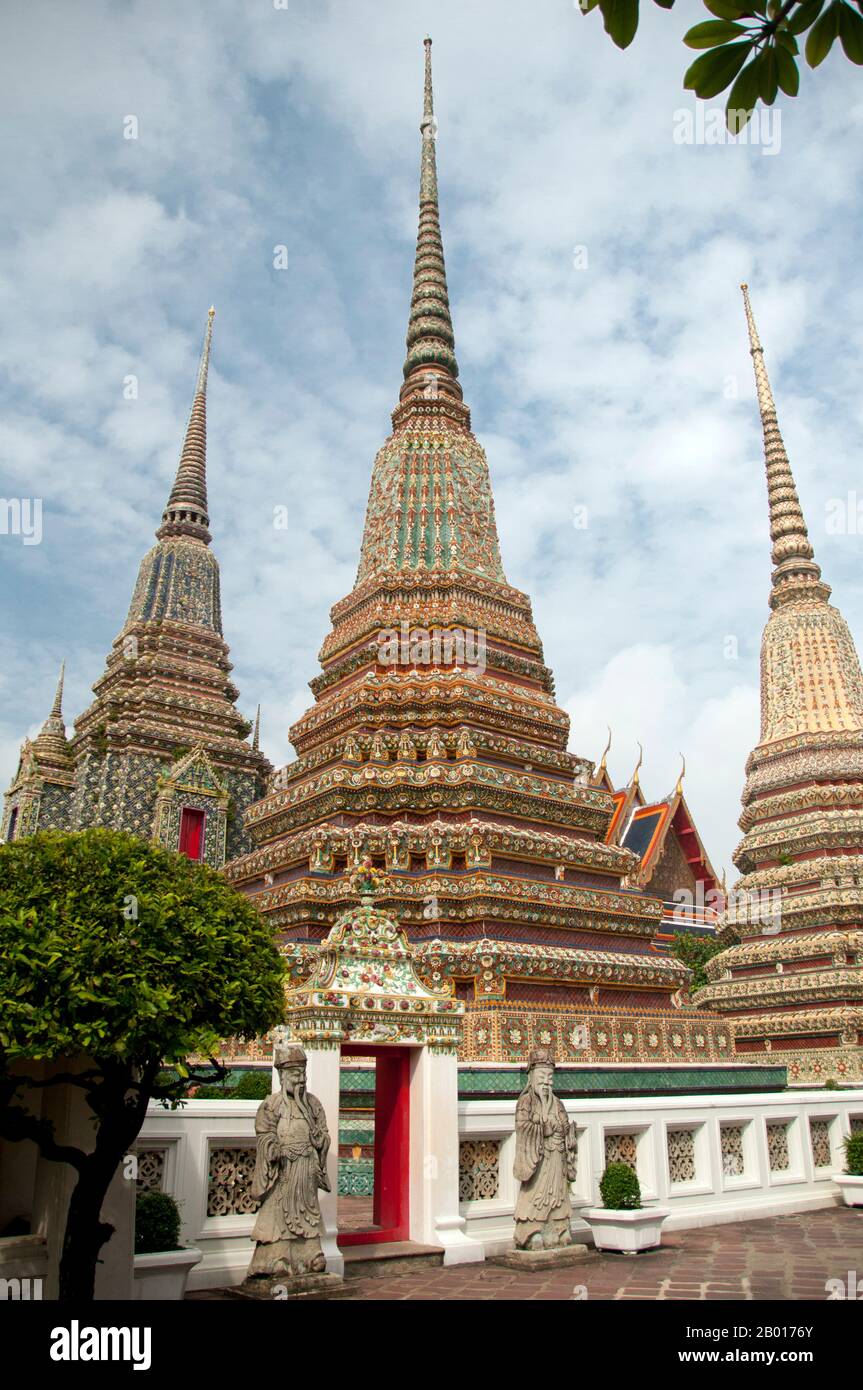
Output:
x=593 y=262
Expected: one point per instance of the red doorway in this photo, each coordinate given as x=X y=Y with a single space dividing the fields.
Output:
x=391 y=1200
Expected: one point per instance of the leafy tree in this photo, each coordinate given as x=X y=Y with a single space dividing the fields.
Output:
x=750 y=46
x=130 y=956
x=696 y=951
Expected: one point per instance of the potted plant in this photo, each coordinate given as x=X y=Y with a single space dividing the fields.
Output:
x=850 y=1183
x=162 y=1265
x=622 y=1224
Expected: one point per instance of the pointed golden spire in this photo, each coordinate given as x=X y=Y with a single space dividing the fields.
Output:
x=256 y=736
x=186 y=512
x=431 y=361
x=678 y=790
x=602 y=765
x=795 y=572
x=633 y=781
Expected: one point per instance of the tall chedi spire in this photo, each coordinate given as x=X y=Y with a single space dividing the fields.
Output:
x=163 y=738
x=430 y=504
x=186 y=512
x=430 y=339
x=795 y=981
x=795 y=573
x=435 y=747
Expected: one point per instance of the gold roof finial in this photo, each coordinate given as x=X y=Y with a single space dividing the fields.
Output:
x=678 y=790
x=256 y=736
x=795 y=572
x=633 y=781
x=601 y=765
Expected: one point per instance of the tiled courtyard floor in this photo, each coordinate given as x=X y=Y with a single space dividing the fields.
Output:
x=789 y=1257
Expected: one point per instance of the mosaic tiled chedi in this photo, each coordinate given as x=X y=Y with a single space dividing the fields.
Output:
x=436 y=748
x=792 y=985
x=162 y=735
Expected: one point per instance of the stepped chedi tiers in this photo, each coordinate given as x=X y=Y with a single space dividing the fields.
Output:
x=435 y=749
x=794 y=984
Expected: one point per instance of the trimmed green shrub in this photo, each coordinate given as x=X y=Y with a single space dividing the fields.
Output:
x=157 y=1223
x=854 y=1154
x=253 y=1085
x=620 y=1188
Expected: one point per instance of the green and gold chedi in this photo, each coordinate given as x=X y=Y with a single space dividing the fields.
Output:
x=435 y=750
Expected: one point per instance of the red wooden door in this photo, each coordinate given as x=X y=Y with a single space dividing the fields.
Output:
x=191 y=833
x=391 y=1210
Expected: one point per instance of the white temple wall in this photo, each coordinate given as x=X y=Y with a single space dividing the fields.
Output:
x=708 y=1159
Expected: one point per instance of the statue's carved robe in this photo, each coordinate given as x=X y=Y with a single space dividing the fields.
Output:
x=290 y=1166
x=545 y=1165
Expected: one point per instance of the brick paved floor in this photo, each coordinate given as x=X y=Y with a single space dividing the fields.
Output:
x=788 y=1257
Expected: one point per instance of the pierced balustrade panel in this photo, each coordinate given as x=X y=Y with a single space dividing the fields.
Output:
x=731 y=1139
x=478 y=1170
x=819 y=1137
x=681 y=1155
x=777 y=1148
x=150 y=1176
x=229 y=1179
x=621 y=1148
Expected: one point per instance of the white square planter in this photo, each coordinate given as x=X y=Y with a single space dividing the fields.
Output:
x=163 y=1274
x=851 y=1188
x=625 y=1231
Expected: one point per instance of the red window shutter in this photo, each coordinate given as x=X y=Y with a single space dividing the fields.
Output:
x=191 y=833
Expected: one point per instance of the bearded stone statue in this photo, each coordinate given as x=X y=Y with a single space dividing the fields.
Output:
x=545 y=1161
x=290 y=1167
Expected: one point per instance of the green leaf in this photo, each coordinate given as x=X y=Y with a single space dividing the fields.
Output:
x=807 y=14
x=787 y=41
x=621 y=20
x=821 y=36
x=712 y=33
x=768 y=79
x=787 y=72
x=742 y=98
x=587 y=5
x=664 y=4
x=723 y=9
x=851 y=34
x=712 y=72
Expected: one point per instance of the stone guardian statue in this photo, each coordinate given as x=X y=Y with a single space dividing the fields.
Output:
x=290 y=1167
x=545 y=1161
